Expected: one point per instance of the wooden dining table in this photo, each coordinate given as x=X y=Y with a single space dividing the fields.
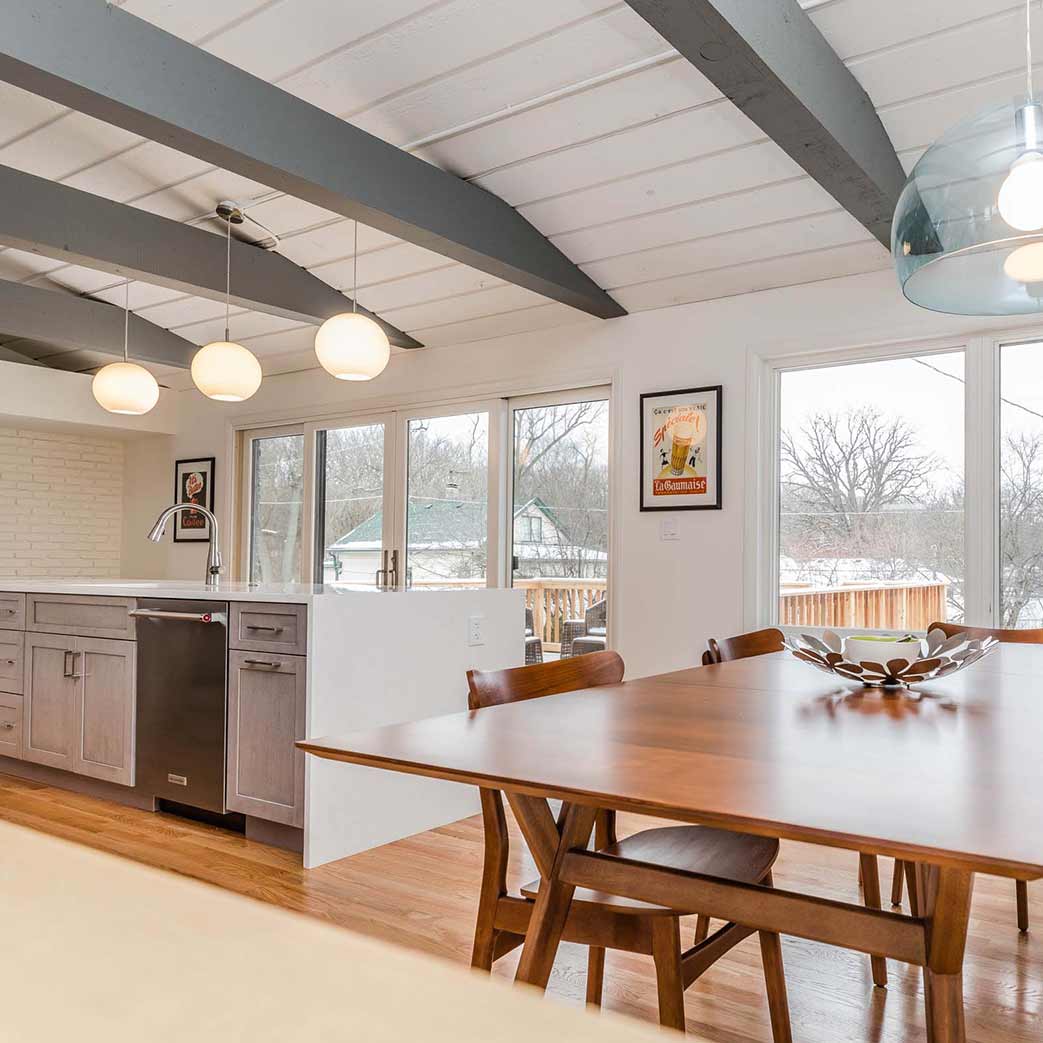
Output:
x=947 y=777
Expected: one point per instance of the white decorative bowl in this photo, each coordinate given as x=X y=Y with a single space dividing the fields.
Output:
x=943 y=655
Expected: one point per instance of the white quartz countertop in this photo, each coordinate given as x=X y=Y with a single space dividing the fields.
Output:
x=228 y=590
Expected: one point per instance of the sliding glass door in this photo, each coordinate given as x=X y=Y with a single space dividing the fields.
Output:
x=509 y=491
x=277 y=506
x=352 y=527
x=446 y=520
x=559 y=511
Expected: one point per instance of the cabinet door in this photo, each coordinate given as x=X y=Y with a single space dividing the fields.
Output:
x=52 y=708
x=265 y=719
x=10 y=726
x=108 y=702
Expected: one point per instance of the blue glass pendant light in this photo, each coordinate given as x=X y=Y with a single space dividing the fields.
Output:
x=967 y=237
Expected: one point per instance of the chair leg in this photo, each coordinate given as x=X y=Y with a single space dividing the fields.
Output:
x=775 y=983
x=595 y=975
x=702 y=929
x=666 y=952
x=871 y=899
x=898 y=883
x=1023 y=905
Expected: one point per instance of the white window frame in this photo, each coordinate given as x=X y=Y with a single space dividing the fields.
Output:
x=981 y=462
x=496 y=398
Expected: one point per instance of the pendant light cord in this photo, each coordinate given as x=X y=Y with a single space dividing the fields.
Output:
x=228 y=271
x=355 y=272
x=1028 y=48
x=126 y=321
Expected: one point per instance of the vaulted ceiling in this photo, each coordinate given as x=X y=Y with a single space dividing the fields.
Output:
x=575 y=112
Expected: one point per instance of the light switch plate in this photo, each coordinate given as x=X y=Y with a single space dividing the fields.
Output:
x=670 y=528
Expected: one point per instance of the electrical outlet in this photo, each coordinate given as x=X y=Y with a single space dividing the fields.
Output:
x=476 y=630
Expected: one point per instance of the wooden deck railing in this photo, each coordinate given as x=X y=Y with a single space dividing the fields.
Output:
x=905 y=606
x=553 y=600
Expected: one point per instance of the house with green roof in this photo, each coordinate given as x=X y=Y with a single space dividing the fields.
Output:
x=447 y=540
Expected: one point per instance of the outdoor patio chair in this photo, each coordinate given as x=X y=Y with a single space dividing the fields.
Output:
x=533 y=642
x=589 y=634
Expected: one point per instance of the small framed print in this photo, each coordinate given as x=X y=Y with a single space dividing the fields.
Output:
x=681 y=450
x=193 y=483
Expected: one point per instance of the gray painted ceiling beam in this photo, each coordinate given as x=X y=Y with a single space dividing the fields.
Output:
x=71 y=225
x=770 y=60
x=82 y=324
x=116 y=67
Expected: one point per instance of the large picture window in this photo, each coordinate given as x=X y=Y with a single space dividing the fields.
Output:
x=896 y=488
x=871 y=494
x=1021 y=486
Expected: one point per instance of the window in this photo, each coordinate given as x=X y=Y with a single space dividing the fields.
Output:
x=870 y=493
x=447 y=500
x=441 y=496
x=529 y=529
x=277 y=508
x=1021 y=486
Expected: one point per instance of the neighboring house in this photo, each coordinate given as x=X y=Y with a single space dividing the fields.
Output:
x=447 y=541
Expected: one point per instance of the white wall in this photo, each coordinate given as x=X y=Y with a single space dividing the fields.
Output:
x=62 y=495
x=668 y=597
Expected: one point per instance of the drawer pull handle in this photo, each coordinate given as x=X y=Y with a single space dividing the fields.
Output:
x=270 y=630
x=10 y=612
x=7 y=727
x=9 y=662
x=261 y=662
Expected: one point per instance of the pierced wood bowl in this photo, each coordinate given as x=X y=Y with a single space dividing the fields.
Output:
x=943 y=656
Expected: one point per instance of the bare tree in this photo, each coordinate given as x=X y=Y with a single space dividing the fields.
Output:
x=1021 y=527
x=854 y=464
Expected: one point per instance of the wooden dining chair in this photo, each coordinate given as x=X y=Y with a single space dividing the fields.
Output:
x=604 y=921
x=759 y=642
x=764 y=642
x=903 y=870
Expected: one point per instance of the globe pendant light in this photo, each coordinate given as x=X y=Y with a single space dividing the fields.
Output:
x=125 y=387
x=223 y=370
x=351 y=346
x=967 y=237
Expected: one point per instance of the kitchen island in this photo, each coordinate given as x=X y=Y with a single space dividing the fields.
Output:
x=80 y=681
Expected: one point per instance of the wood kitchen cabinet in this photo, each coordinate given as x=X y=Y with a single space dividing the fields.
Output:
x=79 y=706
x=266 y=704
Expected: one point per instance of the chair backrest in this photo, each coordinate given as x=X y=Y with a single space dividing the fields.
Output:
x=597 y=614
x=530 y=621
x=495 y=687
x=1019 y=637
x=759 y=642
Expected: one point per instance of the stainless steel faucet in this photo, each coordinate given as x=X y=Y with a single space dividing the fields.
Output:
x=214 y=564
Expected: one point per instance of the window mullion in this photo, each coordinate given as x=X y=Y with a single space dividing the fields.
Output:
x=982 y=483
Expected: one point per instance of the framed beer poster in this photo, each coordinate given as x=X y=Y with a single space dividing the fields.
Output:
x=193 y=483
x=681 y=450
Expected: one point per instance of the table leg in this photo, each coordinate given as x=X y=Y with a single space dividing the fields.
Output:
x=553 y=902
x=945 y=895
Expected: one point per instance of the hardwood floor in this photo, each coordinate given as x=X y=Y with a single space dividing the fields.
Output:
x=421 y=893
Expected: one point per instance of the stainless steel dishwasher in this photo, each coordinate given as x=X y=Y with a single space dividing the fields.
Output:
x=182 y=701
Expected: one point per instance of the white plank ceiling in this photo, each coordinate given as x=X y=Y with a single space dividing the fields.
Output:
x=574 y=111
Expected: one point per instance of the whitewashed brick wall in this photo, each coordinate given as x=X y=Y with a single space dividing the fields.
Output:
x=61 y=504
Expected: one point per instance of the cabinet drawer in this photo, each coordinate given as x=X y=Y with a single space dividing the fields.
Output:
x=12 y=661
x=12 y=611
x=10 y=726
x=269 y=628
x=83 y=615
x=266 y=708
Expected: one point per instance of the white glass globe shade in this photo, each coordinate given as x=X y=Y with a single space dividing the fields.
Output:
x=226 y=372
x=125 y=387
x=1025 y=264
x=1021 y=196
x=352 y=347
